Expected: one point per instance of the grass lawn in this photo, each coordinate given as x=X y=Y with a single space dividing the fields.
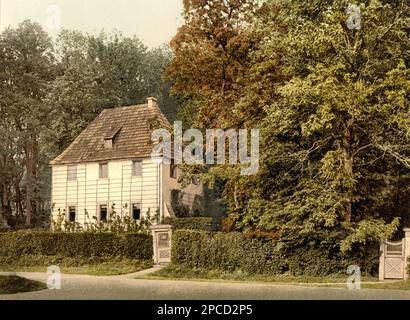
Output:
x=14 y=284
x=391 y=284
x=177 y=273
x=91 y=266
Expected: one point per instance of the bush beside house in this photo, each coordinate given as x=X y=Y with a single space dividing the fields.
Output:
x=134 y=246
x=235 y=252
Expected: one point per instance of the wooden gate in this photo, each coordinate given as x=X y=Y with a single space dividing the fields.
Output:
x=393 y=260
x=162 y=244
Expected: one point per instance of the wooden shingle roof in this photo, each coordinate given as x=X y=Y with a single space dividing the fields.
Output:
x=129 y=127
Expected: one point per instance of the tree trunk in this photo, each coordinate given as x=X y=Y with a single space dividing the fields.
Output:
x=348 y=166
x=31 y=169
x=349 y=139
x=4 y=206
x=18 y=198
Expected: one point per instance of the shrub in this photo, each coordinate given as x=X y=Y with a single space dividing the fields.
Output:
x=117 y=223
x=238 y=252
x=193 y=223
x=198 y=206
x=179 y=208
x=135 y=246
x=226 y=252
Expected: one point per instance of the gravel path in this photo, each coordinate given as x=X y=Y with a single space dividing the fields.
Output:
x=83 y=287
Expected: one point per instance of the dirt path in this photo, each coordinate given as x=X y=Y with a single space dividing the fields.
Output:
x=83 y=287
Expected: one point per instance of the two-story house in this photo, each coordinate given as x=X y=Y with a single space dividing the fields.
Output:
x=110 y=163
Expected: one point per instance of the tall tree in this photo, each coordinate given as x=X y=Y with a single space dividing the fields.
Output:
x=211 y=56
x=332 y=102
x=27 y=69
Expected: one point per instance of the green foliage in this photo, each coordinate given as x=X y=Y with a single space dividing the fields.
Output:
x=50 y=90
x=198 y=206
x=178 y=207
x=332 y=106
x=83 y=244
x=233 y=252
x=192 y=223
x=117 y=223
x=227 y=252
x=408 y=264
x=369 y=231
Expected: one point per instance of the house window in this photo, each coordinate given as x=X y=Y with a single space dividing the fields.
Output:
x=137 y=168
x=103 y=170
x=72 y=173
x=136 y=211
x=71 y=214
x=103 y=213
x=174 y=171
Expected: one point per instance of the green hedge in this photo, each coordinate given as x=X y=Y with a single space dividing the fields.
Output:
x=408 y=266
x=192 y=223
x=225 y=251
x=234 y=252
x=135 y=246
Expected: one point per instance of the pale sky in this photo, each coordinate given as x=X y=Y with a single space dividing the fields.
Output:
x=153 y=21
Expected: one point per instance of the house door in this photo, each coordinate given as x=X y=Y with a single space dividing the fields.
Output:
x=394 y=262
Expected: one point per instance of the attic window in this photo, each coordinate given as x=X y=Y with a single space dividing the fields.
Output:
x=109 y=138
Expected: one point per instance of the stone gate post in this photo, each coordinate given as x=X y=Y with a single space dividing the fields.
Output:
x=381 y=261
x=406 y=251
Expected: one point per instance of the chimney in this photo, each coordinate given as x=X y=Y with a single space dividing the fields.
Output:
x=152 y=102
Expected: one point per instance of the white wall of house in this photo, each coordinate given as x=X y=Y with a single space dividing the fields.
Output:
x=89 y=191
x=151 y=190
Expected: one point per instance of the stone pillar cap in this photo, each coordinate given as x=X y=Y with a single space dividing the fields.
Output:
x=161 y=226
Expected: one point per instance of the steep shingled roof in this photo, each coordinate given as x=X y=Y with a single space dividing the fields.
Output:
x=130 y=127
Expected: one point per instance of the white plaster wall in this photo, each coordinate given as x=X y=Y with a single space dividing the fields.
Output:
x=88 y=192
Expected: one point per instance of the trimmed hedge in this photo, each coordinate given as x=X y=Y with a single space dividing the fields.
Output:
x=235 y=252
x=192 y=223
x=135 y=246
x=225 y=252
x=408 y=266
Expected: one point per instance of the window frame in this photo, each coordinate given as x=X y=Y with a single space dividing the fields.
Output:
x=101 y=170
x=100 y=206
x=69 y=213
x=134 y=172
x=132 y=210
x=70 y=177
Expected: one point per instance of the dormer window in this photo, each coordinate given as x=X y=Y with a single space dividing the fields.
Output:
x=108 y=143
x=109 y=138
